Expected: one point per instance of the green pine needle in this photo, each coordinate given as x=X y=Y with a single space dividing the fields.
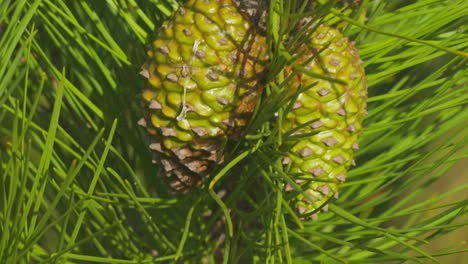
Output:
x=77 y=182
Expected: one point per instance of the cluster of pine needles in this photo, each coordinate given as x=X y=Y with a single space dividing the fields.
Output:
x=77 y=184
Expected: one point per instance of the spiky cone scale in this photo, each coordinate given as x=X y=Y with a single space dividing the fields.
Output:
x=325 y=120
x=203 y=75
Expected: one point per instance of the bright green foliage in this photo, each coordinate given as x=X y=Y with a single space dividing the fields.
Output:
x=77 y=184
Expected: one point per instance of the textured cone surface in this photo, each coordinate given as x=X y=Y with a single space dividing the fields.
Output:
x=203 y=77
x=325 y=120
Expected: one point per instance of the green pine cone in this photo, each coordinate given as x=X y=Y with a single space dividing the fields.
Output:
x=203 y=74
x=325 y=120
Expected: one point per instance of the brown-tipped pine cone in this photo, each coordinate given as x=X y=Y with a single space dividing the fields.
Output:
x=203 y=79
